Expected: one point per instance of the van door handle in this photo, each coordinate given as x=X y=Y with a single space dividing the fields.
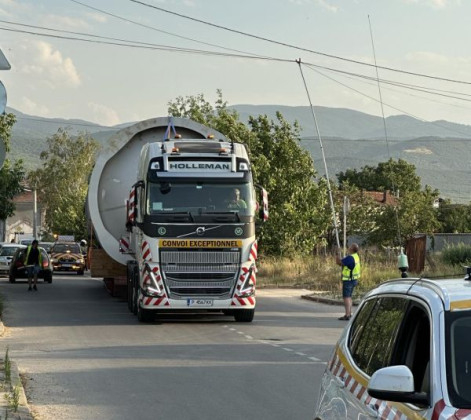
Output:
x=340 y=382
x=372 y=411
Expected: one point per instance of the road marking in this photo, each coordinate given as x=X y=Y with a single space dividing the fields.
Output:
x=264 y=341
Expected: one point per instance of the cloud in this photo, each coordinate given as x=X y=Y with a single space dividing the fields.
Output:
x=103 y=114
x=10 y=7
x=97 y=17
x=41 y=60
x=326 y=4
x=64 y=22
x=28 y=106
x=436 y=4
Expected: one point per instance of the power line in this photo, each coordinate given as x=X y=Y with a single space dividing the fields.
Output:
x=125 y=43
x=389 y=106
x=156 y=29
x=297 y=47
x=142 y=45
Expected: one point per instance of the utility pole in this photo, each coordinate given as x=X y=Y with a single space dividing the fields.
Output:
x=35 y=214
x=346 y=209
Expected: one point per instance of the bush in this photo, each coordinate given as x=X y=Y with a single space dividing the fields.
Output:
x=457 y=254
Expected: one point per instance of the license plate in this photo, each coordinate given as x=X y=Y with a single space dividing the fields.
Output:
x=66 y=265
x=200 y=303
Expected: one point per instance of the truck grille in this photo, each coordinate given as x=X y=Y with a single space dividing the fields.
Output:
x=200 y=273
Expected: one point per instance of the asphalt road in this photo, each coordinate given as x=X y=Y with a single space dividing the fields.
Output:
x=86 y=357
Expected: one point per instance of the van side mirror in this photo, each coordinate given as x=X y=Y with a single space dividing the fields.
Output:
x=263 y=208
x=396 y=383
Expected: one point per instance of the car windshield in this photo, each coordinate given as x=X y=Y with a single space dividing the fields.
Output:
x=8 y=251
x=200 y=198
x=74 y=248
x=458 y=357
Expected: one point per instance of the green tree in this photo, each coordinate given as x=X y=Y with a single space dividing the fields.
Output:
x=62 y=182
x=297 y=202
x=11 y=173
x=399 y=177
x=412 y=211
x=454 y=218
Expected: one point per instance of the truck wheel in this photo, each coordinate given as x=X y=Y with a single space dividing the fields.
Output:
x=144 y=315
x=135 y=292
x=128 y=287
x=244 y=315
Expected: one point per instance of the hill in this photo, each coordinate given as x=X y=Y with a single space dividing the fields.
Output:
x=440 y=150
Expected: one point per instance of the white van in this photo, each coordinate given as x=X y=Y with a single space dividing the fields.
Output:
x=406 y=354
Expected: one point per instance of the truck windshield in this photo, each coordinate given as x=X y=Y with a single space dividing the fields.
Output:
x=200 y=198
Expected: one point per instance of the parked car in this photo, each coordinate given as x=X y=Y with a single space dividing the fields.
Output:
x=405 y=354
x=67 y=256
x=7 y=250
x=17 y=266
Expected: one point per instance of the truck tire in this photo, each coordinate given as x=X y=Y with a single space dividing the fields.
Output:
x=130 y=285
x=244 y=315
x=144 y=315
x=135 y=290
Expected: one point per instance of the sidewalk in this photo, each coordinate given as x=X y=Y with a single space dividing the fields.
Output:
x=7 y=410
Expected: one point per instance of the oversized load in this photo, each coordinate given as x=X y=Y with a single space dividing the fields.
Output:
x=174 y=206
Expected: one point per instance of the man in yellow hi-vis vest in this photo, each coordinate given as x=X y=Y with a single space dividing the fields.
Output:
x=350 y=276
x=33 y=264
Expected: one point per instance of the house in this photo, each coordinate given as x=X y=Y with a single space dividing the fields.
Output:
x=21 y=224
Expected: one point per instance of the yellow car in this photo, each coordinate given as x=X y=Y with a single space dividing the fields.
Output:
x=67 y=256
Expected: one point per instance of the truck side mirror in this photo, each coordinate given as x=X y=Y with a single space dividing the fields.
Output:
x=263 y=209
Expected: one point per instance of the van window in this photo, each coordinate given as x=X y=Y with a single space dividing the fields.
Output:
x=374 y=332
x=458 y=357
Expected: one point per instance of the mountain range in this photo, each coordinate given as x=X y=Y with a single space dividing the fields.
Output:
x=440 y=150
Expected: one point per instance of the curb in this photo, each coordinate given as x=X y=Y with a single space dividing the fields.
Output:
x=321 y=299
x=329 y=301
x=23 y=412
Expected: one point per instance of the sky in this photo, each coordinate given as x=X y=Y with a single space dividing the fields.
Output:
x=116 y=61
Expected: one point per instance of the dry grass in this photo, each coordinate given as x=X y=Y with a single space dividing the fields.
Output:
x=322 y=275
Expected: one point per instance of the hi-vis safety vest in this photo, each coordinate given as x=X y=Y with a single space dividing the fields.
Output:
x=354 y=274
x=40 y=258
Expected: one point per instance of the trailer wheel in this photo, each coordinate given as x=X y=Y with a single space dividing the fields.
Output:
x=244 y=315
x=144 y=315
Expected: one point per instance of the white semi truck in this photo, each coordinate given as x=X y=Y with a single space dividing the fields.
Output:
x=174 y=202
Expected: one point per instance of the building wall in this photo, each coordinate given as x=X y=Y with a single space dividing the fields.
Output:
x=22 y=220
x=439 y=241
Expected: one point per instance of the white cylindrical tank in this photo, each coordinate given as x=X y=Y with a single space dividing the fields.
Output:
x=116 y=170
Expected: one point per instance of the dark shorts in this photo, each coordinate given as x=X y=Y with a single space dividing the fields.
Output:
x=32 y=270
x=347 y=287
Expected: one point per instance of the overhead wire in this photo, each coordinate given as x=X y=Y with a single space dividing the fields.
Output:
x=143 y=45
x=139 y=44
x=297 y=47
x=388 y=105
x=154 y=28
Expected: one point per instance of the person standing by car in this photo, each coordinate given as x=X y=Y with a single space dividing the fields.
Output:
x=33 y=263
x=350 y=276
